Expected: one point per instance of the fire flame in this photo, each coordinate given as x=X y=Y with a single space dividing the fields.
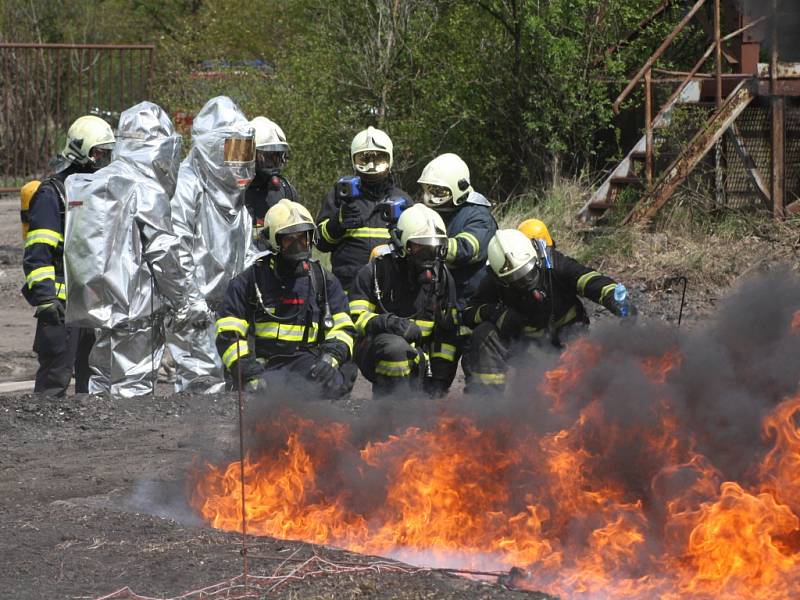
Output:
x=585 y=518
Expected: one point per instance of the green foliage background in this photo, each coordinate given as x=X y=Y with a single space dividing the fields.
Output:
x=521 y=89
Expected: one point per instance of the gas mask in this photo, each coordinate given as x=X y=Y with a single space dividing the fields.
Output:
x=100 y=156
x=293 y=250
x=426 y=254
x=371 y=165
x=269 y=163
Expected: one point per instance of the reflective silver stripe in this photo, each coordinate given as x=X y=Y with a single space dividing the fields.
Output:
x=584 y=279
x=232 y=324
x=234 y=352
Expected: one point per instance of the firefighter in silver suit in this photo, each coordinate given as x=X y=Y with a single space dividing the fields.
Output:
x=215 y=234
x=121 y=254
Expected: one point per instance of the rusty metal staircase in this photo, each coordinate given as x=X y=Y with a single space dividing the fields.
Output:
x=636 y=169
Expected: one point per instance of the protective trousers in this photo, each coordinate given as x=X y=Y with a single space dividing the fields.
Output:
x=61 y=351
x=197 y=363
x=393 y=365
x=486 y=361
x=125 y=360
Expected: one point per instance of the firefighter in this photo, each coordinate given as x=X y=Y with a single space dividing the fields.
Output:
x=121 y=254
x=528 y=299
x=446 y=189
x=60 y=349
x=404 y=303
x=269 y=184
x=295 y=310
x=350 y=221
x=215 y=234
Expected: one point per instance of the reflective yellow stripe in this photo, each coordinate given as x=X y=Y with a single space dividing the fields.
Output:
x=393 y=368
x=533 y=332
x=361 y=323
x=234 y=352
x=342 y=336
x=607 y=289
x=285 y=331
x=323 y=228
x=43 y=236
x=359 y=306
x=425 y=326
x=61 y=291
x=368 y=232
x=340 y=319
x=473 y=241
x=446 y=352
x=232 y=324
x=452 y=249
x=40 y=274
x=490 y=378
x=585 y=279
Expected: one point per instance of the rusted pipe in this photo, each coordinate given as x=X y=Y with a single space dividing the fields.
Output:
x=778 y=126
x=657 y=54
x=718 y=52
x=648 y=128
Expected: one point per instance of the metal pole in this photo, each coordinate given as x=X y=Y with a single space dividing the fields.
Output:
x=718 y=51
x=718 y=173
x=648 y=127
x=778 y=126
x=241 y=460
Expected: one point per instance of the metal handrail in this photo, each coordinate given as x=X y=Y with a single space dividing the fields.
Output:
x=657 y=54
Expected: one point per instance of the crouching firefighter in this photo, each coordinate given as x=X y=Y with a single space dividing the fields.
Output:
x=404 y=303
x=296 y=312
x=531 y=296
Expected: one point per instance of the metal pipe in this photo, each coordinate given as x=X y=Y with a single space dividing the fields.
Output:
x=241 y=460
x=648 y=128
x=778 y=126
x=657 y=54
x=718 y=53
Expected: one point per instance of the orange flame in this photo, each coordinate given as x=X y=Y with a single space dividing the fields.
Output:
x=561 y=504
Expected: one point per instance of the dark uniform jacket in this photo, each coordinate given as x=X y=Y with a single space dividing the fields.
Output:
x=286 y=316
x=352 y=251
x=562 y=287
x=469 y=229
x=43 y=258
x=264 y=193
x=431 y=305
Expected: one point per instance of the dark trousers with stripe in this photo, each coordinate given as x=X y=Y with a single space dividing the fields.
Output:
x=62 y=351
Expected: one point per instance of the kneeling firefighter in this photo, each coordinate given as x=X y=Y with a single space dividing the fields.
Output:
x=122 y=260
x=405 y=305
x=296 y=311
x=531 y=296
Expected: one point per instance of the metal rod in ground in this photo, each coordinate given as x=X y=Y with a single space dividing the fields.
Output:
x=241 y=461
x=683 y=298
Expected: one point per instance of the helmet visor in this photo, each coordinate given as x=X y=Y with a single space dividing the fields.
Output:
x=371 y=161
x=100 y=155
x=295 y=246
x=524 y=278
x=239 y=150
x=435 y=195
x=270 y=161
x=426 y=251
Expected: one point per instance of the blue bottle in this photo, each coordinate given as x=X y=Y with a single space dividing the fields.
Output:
x=621 y=296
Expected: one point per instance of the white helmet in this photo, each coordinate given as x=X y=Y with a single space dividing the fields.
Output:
x=269 y=136
x=372 y=154
x=86 y=134
x=445 y=182
x=513 y=258
x=287 y=217
x=421 y=235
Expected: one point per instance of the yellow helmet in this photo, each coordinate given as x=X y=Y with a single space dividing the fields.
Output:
x=536 y=229
x=86 y=134
x=287 y=217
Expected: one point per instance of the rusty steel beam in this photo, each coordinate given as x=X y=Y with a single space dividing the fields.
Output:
x=694 y=152
x=750 y=166
x=657 y=54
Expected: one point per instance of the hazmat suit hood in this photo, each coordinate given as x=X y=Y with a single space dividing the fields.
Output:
x=219 y=132
x=147 y=140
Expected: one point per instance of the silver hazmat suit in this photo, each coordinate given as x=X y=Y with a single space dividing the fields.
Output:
x=214 y=228
x=121 y=257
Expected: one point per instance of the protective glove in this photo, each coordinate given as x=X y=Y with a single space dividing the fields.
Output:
x=509 y=321
x=324 y=370
x=389 y=323
x=51 y=312
x=617 y=308
x=347 y=217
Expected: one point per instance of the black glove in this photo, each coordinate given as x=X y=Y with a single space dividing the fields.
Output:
x=389 y=323
x=51 y=312
x=251 y=373
x=324 y=370
x=510 y=323
x=347 y=217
